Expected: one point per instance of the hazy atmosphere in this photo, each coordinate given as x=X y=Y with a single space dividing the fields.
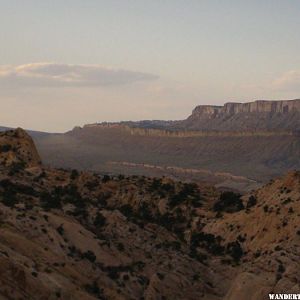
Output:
x=149 y=149
x=67 y=63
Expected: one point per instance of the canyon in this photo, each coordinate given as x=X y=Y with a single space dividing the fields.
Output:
x=68 y=234
x=254 y=141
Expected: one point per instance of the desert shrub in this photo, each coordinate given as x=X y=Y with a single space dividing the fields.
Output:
x=9 y=198
x=16 y=167
x=126 y=210
x=5 y=148
x=176 y=199
x=6 y=184
x=155 y=185
x=201 y=257
x=251 y=201
x=120 y=247
x=60 y=229
x=106 y=178
x=144 y=212
x=143 y=280
x=208 y=241
x=94 y=290
x=266 y=208
x=91 y=185
x=89 y=255
x=235 y=250
x=71 y=195
x=167 y=187
x=113 y=273
x=174 y=245
x=166 y=220
x=288 y=200
x=229 y=202
x=188 y=191
x=100 y=220
x=281 y=268
x=196 y=277
x=74 y=174
x=121 y=177
x=50 y=200
x=80 y=212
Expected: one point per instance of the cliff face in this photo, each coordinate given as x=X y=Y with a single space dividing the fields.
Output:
x=259 y=106
x=258 y=115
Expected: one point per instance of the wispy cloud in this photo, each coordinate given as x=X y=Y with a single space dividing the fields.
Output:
x=288 y=81
x=53 y=74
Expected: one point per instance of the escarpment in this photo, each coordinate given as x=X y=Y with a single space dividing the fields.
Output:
x=252 y=116
x=256 y=118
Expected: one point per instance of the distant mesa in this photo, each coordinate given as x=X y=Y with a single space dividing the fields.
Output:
x=260 y=115
x=257 y=115
x=259 y=106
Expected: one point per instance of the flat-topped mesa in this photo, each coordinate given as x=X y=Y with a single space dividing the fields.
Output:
x=261 y=117
x=17 y=149
x=251 y=116
x=259 y=106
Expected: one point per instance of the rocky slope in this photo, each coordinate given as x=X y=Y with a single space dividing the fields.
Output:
x=81 y=235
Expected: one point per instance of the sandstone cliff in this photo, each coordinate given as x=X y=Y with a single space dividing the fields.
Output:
x=258 y=115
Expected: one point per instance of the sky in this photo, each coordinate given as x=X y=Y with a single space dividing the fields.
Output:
x=66 y=63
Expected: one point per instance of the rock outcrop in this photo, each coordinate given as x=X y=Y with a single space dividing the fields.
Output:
x=17 y=149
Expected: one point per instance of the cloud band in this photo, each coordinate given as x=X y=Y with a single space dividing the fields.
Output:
x=53 y=74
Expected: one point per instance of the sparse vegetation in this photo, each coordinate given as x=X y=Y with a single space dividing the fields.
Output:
x=229 y=202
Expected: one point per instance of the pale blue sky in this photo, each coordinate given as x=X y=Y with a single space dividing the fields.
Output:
x=174 y=55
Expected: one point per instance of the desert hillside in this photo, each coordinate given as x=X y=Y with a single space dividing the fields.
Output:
x=81 y=235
